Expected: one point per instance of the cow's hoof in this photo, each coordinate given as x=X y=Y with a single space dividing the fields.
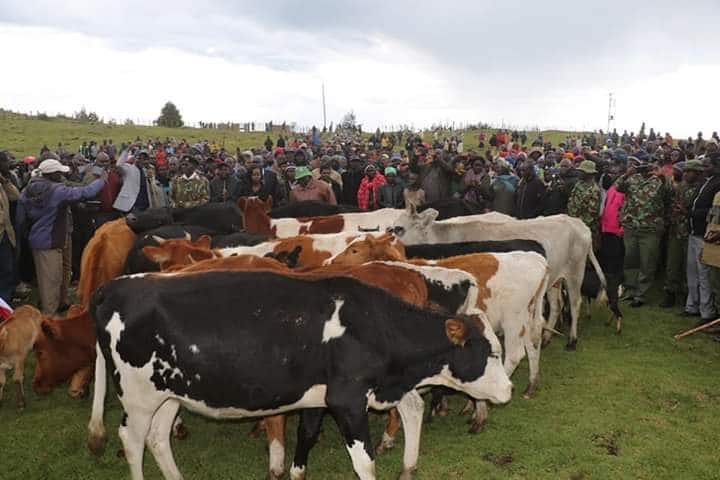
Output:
x=530 y=391
x=78 y=394
x=571 y=346
x=96 y=444
x=120 y=453
x=476 y=426
x=409 y=474
x=274 y=475
x=181 y=432
x=387 y=443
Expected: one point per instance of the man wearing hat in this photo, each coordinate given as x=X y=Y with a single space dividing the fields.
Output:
x=390 y=194
x=586 y=199
x=647 y=201
x=684 y=192
x=44 y=211
x=189 y=189
x=310 y=189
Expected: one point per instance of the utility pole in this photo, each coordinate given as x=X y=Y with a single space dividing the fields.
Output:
x=324 y=113
x=611 y=112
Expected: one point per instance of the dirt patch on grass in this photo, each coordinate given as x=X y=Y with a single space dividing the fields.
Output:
x=609 y=441
x=499 y=460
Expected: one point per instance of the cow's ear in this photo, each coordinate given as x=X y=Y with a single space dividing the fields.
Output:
x=49 y=330
x=155 y=254
x=456 y=332
x=242 y=203
x=268 y=203
x=429 y=216
x=203 y=242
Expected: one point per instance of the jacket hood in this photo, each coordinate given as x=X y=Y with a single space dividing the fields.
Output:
x=38 y=191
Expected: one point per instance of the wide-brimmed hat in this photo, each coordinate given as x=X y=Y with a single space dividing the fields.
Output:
x=51 y=166
x=587 y=166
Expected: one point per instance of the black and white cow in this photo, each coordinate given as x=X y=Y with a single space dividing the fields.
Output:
x=222 y=217
x=197 y=340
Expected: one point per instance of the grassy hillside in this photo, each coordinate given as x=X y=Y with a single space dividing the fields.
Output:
x=23 y=135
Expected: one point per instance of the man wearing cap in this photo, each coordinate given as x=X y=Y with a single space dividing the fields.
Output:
x=44 y=211
x=585 y=200
x=390 y=194
x=189 y=189
x=700 y=300
x=684 y=192
x=310 y=189
x=647 y=202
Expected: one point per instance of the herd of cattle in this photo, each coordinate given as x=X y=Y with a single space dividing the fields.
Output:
x=345 y=311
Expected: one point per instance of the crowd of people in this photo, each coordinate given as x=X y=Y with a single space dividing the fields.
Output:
x=647 y=199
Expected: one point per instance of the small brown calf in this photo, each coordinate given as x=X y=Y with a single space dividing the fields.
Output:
x=17 y=336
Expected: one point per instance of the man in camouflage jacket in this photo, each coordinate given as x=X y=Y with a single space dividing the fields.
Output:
x=585 y=200
x=643 y=216
x=189 y=189
x=684 y=192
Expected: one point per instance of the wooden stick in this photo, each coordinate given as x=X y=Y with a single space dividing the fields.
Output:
x=697 y=329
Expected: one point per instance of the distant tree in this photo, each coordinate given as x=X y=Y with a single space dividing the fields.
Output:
x=129 y=122
x=170 y=116
x=92 y=117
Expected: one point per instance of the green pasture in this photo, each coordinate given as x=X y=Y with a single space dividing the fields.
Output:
x=636 y=406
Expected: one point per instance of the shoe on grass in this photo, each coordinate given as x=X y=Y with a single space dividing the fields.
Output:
x=686 y=314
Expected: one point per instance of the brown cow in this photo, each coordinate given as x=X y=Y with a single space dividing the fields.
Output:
x=65 y=350
x=257 y=221
x=17 y=336
x=407 y=282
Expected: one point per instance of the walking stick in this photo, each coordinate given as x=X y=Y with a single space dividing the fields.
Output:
x=697 y=329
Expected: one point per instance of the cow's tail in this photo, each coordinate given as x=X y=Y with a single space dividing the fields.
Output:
x=602 y=297
x=96 y=429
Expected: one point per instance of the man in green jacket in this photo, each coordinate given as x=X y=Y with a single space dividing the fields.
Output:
x=643 y=215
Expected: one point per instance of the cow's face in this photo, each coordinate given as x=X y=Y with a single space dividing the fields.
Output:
x=369 y=249
x=413 y=228
x=148 y=220
x=178 y=252
x=56 y=361
x=475 y=365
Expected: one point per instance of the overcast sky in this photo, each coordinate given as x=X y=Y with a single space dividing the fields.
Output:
x=525 y=63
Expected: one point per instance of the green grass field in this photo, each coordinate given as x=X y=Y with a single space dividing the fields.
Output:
x=636 y=406
x=25 y=136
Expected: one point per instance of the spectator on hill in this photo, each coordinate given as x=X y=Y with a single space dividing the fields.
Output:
x=391 y=194
x=367 y=197
x=530 y=192
x=352 y=178
x=328 y=175
x=8 y=243
x=43 y=214
x=189 y=189
x=308 y=188
x=224 y=186
x=436 y=175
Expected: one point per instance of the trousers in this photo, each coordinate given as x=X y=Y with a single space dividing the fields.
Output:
x=700 y=297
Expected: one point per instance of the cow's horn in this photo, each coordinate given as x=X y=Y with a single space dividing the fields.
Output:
x=159 y=240
x=550 y=329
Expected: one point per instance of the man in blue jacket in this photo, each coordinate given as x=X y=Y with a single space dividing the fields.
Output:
x=44 y=211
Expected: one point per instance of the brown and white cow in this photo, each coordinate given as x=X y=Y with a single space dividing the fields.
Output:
x=17 y=336
x=303 y=251
x=257 y=221
x=511 y=289
x=567 y=242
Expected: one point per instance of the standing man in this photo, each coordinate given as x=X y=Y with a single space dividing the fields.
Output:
x=585 y=200
x=647 y=200
x=133 y=193
x=44 y=209
x=700 y=295
x=189 y=189
x=676 y=269
x=224 y=186
x=8 y=243
x=310 y=189
x=352 y=178
x=530 y=192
